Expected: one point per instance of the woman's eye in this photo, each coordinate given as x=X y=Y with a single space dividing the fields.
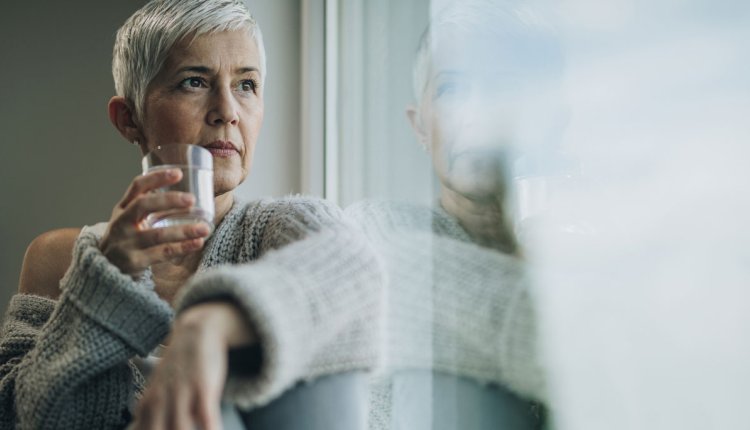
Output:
x=248 y=85
x=192 y=83
x=446 y=89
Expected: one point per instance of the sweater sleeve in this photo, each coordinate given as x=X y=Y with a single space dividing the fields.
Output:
x=23 y=321
x=71 y=370
x=463 y=309
x=291 y=219
x=313 y=298
x=453 y=306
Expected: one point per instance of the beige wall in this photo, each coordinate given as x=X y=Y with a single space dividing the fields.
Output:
x=62 y=162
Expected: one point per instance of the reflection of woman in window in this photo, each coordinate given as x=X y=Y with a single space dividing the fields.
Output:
x=458 y=299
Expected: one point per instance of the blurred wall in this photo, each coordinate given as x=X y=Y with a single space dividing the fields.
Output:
x=63 y=164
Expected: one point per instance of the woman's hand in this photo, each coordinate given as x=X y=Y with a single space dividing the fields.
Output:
x=185 y=389
x=133 y=249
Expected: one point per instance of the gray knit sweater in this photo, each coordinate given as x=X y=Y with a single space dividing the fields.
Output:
x=67 y=363
x=450 y=306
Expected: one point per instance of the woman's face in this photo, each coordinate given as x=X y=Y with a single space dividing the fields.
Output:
x=208 y=94
x=468 y=116
x=480 y=107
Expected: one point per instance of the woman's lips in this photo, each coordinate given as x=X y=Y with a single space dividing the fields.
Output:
x=222 y=152
x=222 y=149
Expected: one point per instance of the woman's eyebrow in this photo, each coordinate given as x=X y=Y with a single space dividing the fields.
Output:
x=247 y=69
x=207 y=70
x=195 y=69
x=449 y=74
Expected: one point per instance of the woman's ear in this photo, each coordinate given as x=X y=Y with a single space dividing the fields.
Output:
x=122 y=115
x=415 y=120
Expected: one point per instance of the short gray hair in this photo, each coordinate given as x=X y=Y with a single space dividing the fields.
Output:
x=143 y=43
x=523 y=26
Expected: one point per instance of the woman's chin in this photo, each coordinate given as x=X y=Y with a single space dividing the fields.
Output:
x=480 y=190
x=478 y=179
x=225 y=184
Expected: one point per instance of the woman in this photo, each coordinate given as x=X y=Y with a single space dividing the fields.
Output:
x=287 y=275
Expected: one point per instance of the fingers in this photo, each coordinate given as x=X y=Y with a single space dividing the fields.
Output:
x=145 y=204
x=166 y=252
x=179 y=416
x=184 y=233
x=133 y=249
x=208 y=412
x=184 y=391
x=156 y=202
x=141 y=249
x=151 y=412
x=176 y=413
x=149 y=182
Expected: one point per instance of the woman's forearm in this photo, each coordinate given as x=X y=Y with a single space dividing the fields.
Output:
x=77 y=372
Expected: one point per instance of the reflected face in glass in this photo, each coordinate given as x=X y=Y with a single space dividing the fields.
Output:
x=481 y=105
x=467 y=114
x=208 y=94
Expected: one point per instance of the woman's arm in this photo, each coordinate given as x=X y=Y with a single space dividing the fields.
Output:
x=44 y=264
x=23 y=322
x=313 y=298
x=185 y=388
x=74 y=370
x=312 y=301
x=65 y=363
x=453 y=306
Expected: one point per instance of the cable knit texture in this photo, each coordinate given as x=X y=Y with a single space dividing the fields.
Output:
x=452 y=306
x=66 y=363
x=314 y=304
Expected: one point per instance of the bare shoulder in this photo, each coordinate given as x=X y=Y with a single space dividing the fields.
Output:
x=46 y=260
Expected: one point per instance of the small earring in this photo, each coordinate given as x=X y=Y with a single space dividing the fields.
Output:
x=135 y=142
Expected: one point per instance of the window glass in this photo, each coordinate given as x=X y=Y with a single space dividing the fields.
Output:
x=575 y=172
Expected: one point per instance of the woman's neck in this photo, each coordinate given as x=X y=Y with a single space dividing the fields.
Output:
x=222 y=205
x=484 y=219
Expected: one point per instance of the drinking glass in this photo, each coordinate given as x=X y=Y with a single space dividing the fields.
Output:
x=196 y=164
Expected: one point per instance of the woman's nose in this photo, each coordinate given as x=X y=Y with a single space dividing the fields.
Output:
x=223 y=108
